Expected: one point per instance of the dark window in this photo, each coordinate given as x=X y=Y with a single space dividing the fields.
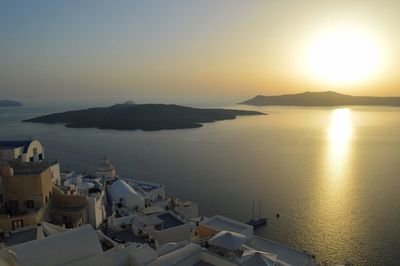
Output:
x=50 y=195
x=158 y=227
x=41 y=156
x=13 y=207
x=46 y=199
x=30 y=204
x=31 y=159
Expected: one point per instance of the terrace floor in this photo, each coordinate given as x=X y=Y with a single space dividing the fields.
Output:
x=125 y=236
x=169 y=221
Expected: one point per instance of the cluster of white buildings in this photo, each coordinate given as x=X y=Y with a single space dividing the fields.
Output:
x=110 y=220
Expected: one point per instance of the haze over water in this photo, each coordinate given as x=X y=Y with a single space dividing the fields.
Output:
x=331 y=173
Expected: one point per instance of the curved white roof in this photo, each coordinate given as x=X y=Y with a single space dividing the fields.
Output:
x=227 y=240
x=121 y=190
x=60 y=248
x=179 y=256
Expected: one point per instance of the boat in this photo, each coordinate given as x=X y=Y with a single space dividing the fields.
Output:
x=257 y=221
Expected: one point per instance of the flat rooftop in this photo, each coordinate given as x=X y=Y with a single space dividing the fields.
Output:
x=221 y=223
x=28 y=168
x=21 y=237
x=169 y=221
x=125 y=237
x=146 y=186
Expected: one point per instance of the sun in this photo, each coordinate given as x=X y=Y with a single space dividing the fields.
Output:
x=342 y=55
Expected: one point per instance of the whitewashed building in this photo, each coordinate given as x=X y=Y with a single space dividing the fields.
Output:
x=106 y=170
x=25 y=150
x=120 y=193
x=95 y=208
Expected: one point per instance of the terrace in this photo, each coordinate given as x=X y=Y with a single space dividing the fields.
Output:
x=220 y=223
x=286 y=254
x=169 y=221
x=21 y=237
x=126 y=236
x=145 y=186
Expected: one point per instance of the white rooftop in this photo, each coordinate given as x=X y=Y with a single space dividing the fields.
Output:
x=222 y=223
x=120 y=191
x=285 y=254
x=59 y=248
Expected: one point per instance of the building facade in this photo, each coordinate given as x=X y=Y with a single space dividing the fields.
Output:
x=26 y=193
x=106 y=170
x=24 y=150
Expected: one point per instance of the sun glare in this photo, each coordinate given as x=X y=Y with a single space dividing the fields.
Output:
x=339 y=136
x=342 y=55
x=340 y=130
x=340 y=127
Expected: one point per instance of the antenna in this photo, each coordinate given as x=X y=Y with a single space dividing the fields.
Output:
x=254 y=210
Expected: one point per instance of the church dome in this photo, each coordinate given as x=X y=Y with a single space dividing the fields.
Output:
x=105 y=165
x=105 y=169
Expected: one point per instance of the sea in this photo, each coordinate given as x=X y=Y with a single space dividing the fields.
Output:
x=331 y=173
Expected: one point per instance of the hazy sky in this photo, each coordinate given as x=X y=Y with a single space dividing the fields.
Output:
x=184 y=48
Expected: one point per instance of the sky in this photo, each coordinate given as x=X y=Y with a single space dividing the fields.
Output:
x=195 y=49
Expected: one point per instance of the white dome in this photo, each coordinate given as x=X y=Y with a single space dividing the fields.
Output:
x=121 y=192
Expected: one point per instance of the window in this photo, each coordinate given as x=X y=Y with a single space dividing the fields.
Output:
x=16 y=224
x=50 y=195
x=41 y=156
x=46 y=199
x=30 y=204
x=12 y=207
x=31 y=159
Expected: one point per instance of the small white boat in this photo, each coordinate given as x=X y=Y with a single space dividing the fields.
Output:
x=257 y=221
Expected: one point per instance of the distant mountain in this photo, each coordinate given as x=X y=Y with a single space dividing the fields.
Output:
x=129 y=102
x=8 y=103
x=146 y=117
x=327 y=98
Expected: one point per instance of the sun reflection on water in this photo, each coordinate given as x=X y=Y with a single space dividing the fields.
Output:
x=339 y=137
x=333 y=207
x=340 y=128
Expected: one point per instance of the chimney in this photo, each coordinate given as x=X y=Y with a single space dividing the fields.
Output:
x=6 y=169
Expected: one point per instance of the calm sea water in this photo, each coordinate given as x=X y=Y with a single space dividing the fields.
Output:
x=331 y=173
